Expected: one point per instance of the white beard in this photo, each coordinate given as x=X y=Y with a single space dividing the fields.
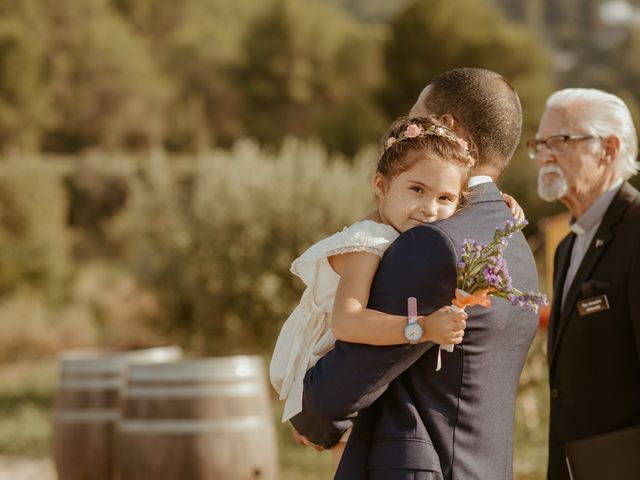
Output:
x=554 y=188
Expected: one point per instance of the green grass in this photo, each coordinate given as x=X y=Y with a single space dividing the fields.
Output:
x=26 y=391
x=299 y=461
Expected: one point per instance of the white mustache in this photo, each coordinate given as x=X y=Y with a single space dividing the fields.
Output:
x=551 y=169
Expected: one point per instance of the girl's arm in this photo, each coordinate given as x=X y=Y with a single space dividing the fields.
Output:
x=353 y=322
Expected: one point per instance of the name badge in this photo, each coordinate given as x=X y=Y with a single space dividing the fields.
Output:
x=593 y=305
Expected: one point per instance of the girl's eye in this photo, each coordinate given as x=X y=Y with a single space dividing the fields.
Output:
x=417 y=189
x=446 y=198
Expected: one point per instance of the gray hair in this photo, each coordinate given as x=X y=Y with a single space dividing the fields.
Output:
x=602 y=114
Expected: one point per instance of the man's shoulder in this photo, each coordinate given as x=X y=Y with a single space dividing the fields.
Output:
x=628 y=226
x=431 y=233
x=421 y=246
x=628 y=197
x=478 y=221
x=634 y=206
x=464 y=218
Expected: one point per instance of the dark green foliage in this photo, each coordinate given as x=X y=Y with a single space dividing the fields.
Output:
x=196 y=44
x=25 y=108
x=430 y=37
x=305 y=77
x=106 y=89
x=96 y=193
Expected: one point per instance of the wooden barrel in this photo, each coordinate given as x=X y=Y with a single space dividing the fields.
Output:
x=86 y=409
x=202 y=419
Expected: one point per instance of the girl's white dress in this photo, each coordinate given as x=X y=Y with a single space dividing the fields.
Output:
x=306 y=335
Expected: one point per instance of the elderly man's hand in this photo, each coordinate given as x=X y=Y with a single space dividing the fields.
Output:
x=302 y=440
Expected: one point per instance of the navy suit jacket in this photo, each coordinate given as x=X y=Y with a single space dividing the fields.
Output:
x=594 y=360
x=453 y=424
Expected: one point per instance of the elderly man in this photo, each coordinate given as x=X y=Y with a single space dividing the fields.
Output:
x=586 y=147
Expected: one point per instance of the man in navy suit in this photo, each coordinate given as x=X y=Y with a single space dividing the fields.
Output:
x=409 y=420
x=586 y=148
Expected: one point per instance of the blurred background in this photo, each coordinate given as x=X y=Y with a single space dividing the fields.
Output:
x=163 y=162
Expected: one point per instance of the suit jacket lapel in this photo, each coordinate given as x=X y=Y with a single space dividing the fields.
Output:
x=599 y=244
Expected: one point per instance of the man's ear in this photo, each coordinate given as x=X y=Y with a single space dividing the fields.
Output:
x=448 y=121
x=379 y=185
x=611 y=147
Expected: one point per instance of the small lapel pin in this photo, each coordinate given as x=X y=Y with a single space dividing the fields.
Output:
x=599 y=242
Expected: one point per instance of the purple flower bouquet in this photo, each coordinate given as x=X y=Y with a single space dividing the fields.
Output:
x=482 y=272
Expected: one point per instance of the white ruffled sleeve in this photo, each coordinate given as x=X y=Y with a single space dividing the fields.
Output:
x=306 y=335
x=364 y=236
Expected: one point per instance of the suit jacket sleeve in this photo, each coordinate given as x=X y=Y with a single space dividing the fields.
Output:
x=420 y=263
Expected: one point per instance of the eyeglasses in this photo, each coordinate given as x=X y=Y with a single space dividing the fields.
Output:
x=555 y=143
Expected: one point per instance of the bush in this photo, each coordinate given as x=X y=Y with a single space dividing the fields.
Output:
x=35 y=329
x=34 y=240
x=215 y=240
x=97 y=190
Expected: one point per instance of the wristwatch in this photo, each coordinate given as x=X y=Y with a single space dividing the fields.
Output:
x=413 y=331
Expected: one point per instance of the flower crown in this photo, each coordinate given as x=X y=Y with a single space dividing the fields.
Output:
x=415 y=131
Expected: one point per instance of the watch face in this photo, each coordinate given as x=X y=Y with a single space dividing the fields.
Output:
x=413 y=332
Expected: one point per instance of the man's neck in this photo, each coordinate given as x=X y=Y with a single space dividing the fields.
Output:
x=579 y=202
x=485 y=170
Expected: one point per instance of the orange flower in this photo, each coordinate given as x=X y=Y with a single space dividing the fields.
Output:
x=464 y=299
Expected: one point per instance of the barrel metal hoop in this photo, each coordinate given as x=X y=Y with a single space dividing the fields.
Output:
x=114 y=363
x=223 y=368
x=175 y=426
x=247 y=389
x=177 y=375
x=91 y=384
x=95 y=415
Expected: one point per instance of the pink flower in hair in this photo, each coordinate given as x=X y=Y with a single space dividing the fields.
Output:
x=391 y=141
x=463 y=144
x=438 y=131
x=413 y=131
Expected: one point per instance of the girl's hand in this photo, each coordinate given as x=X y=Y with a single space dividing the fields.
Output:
x=302 y=440
x=444 y=326
x=516 y=209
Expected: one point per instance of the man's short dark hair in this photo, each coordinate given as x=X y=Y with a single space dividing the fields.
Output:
x=487 y=106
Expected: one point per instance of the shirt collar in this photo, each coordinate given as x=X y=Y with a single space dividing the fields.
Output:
x=593 y=215
x=479 y=179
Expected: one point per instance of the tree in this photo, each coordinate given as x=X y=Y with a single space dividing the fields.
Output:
x=198 y=45
x=308 y=69
x=25 y=107
x=106 y=89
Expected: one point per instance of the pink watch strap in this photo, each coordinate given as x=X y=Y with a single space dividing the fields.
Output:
x=412 y=309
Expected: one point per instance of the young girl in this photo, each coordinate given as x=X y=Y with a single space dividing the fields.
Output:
x=420 y=178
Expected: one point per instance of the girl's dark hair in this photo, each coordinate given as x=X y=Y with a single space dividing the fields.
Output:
x=441 y=143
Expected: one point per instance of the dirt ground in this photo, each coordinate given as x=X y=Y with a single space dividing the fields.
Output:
x=25 y=468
